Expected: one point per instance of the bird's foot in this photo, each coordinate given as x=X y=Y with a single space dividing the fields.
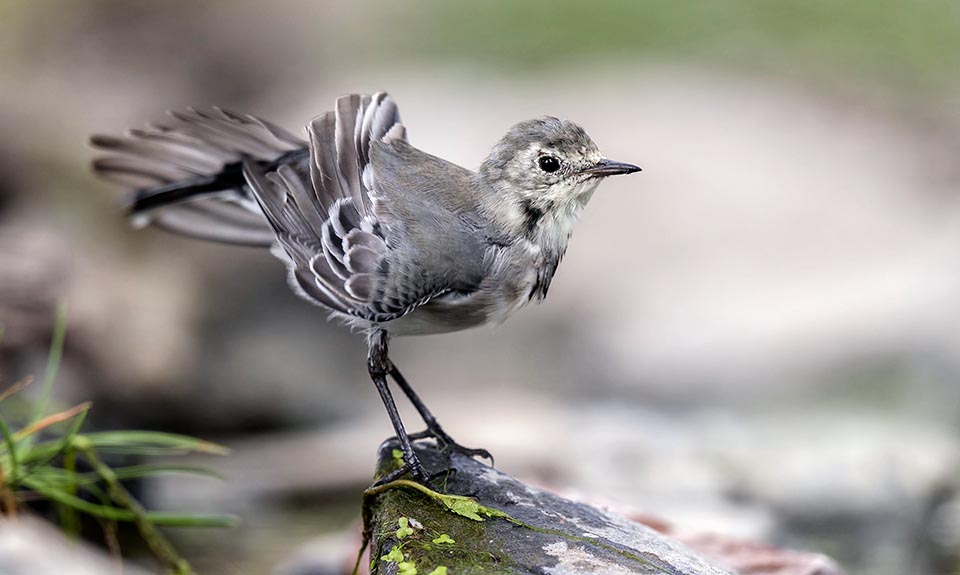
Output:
x=448 y=445
x=412 y=466
x=455 y=447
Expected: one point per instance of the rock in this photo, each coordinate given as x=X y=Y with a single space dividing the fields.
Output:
x=753 y=558
x=29 y=546
x=324 y=555
x=506 y=527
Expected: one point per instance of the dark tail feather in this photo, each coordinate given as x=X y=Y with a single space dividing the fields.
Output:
x=146 y=199
x=187 y=175
x=216 y=207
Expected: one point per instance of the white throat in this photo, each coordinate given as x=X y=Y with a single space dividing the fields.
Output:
x=560 y=215
x=554 y=228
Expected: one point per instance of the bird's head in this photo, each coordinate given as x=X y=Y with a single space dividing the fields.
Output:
x=549 y=163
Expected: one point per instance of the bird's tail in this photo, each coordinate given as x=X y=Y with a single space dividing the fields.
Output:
x=186 y=177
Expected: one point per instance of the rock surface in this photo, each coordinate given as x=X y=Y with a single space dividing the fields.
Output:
x=518 y=529
x=30 y=546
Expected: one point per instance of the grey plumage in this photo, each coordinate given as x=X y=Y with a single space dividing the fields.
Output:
x=388 y=238
x=196 y=147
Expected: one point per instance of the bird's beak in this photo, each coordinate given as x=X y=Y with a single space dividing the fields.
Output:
x=606 y=167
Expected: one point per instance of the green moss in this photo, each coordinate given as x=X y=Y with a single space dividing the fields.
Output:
x=404 y=529
x=394 y=556
x=433 y=549
x=454 y=534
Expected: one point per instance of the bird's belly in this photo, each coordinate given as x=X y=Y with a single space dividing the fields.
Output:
x=441 y=315
x=456 y=312
x=508 y=286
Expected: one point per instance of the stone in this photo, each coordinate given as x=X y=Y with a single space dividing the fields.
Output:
x=505 y=526
x=29 y=546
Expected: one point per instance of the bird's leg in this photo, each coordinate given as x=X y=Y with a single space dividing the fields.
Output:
x=378 y=364
x=433 y=426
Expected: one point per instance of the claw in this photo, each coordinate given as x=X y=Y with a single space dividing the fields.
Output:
x=393 y=475
x=448 y=445
x=419 y=475
x=425 y=434
x=469 y=451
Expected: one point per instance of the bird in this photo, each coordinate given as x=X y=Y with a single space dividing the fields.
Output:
x=386 y=238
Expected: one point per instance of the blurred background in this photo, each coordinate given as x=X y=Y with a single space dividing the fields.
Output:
x=757 y=336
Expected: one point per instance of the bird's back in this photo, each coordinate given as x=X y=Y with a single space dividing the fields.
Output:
x=430 y=210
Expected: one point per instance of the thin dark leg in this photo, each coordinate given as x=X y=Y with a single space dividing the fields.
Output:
x=433 y=426
x=378 y=365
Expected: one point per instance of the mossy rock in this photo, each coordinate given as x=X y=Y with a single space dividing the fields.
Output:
x=483 y=521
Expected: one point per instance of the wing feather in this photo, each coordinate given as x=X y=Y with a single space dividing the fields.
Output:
x=323 y=216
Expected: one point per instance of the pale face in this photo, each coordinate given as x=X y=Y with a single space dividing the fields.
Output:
x=555 y=174
x=549 y=163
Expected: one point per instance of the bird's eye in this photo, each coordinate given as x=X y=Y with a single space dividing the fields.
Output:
x=549 y=164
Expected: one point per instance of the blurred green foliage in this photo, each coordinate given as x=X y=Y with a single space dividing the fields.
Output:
x=910 y=44
x=916 y=42
x=43 y=455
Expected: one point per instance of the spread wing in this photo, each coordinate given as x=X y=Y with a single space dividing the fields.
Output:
x=327 y=229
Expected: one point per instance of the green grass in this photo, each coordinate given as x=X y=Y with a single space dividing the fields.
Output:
x=41 y=455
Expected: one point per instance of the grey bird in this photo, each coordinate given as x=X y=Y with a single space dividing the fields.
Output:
x=387 y=238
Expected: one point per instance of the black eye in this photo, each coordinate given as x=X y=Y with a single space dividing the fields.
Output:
x=549 y=164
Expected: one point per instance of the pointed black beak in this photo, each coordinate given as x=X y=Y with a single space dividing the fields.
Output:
x=606 y=167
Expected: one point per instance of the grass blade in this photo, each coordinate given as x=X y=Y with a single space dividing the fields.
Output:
x=11 y=447
x=57 y=476
x=69 y=521
x=44 y=452
x=53 y=362
x=166 y=519
x=159 y=518
x=16 y=387
x=150 y=443
x=155 y=469
x=61 y=496
x=41 y=424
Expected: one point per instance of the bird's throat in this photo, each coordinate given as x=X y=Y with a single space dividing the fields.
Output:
x=552 y=230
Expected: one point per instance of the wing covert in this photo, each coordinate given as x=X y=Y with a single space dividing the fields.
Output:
x=323 y=217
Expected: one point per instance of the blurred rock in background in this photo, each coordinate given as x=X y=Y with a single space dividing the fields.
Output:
x=761 y=327
x=29 y=546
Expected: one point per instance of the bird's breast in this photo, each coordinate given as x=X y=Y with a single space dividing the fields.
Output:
x=513 y=276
